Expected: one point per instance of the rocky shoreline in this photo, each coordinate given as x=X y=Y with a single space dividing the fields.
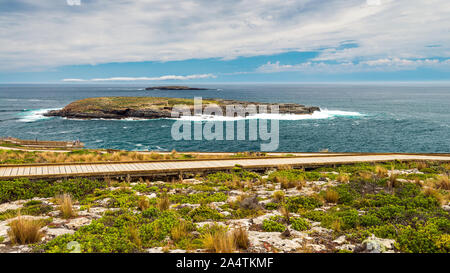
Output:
x=96 y=108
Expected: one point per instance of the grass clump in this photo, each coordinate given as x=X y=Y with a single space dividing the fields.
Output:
x=331 y=196
x=66 y=206
x=443 y=182
x=143 y=203
x=219 y=242
x=240 y=237
x=163 y=202
x=25 y=231
x=278 y=196
x=343 y=178
x=381 y=171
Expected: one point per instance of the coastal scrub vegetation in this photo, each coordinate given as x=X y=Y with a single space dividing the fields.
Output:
x=90 y=156
x=406 y=203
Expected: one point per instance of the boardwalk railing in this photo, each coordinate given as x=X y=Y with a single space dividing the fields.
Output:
x=173 y=167
x=43 y=144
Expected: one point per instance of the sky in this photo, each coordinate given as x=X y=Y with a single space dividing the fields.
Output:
x=221 y=41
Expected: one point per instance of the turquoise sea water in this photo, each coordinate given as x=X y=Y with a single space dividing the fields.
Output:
x=354 y=118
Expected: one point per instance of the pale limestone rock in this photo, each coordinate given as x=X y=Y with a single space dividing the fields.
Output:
x=211 y=223
x=320 y=230
x=155 y=250
x=78 y=222
x=192 y=181
x=258 y=239
x=340 y=240
x=377 y=245
x=348 y=247
x=236 y=223
x=316 y=247
x=225 y=213
x=216 y=205
x=11 y=206
x=152 y=195
x=4 y=231
x=177 y=251
x=59 y=231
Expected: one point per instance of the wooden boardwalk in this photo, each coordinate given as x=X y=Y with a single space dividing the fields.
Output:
x=174 y=167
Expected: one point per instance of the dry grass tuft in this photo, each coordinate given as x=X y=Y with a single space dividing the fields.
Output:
x=134 y=236
x=240 y=237
x=381 y=171
x=286 y=183
x=365 y=175
x=143 y=203
x=66 y=206
x=331 y=196
x=343 y=178
x=25 y=231
x=434 y=193
x=446 y=166
x=285 y=213
x=278 y=196
x=422 y=165
x=219 y=242
x=442 y=182
x=180 y=231
x=284 y=167
x=393 y=182
x=163 y=202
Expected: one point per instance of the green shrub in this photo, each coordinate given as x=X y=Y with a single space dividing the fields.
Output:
x=151 y=213
x=204 y=213
x=300 y=224
x=272 y=226
x=272 y=206
x=198 y=198
x=293 y=204
x=25 y=189
x=289 y=175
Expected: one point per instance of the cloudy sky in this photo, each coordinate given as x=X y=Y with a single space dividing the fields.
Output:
x=117 y=41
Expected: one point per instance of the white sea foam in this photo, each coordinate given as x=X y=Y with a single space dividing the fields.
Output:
x=34 y=115
x=322 y=114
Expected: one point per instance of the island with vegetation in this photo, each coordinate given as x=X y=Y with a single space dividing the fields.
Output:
x=174 y=87
x=155 y=107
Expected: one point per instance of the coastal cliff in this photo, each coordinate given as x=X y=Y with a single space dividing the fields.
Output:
x=155 y=107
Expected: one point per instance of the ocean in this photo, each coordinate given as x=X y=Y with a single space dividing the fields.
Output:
x=353 y=118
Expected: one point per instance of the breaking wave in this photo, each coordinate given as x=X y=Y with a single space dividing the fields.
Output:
x=322 y=114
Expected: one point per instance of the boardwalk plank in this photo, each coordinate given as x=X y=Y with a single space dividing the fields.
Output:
x=2 y=171
x=111 y=168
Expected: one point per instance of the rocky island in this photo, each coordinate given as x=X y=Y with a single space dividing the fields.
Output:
x=155 y=107
x=174 y=87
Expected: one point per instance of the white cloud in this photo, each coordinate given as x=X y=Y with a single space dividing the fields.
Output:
x=161 y=78
x=73 y=2
x=48 y=33
x=387 y=64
